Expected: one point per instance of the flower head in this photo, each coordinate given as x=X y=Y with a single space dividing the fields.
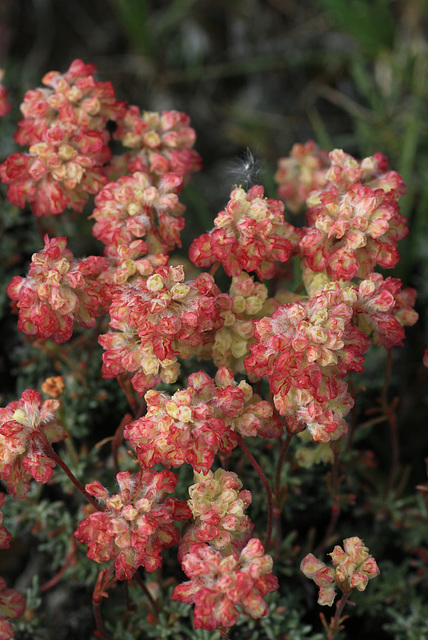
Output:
x=24 y=426
x=250 y=235
x=219 y=583
x=57 y=292
x=136 y=524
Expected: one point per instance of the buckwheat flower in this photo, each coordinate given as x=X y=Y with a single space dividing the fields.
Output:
x=323 y=576
x=73 y=97
x=248 y=301
x=217 y=502
x=136 y=524
x=25 y=425
x=309 y=344
x=160 y=142
x=220 y=583
x=156 y=320
x=5 y=535
x=195 y=423
x=58 y=173
x=354 y=565
x=372 y=172
x=301 y=173
x=325 y=421
x=57 y=292
x=12 y=607
x=133 y=208
x=351 y=233
x=382 y=309
x=250 y=234
x=5 y=105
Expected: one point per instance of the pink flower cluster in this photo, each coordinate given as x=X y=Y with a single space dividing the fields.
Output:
x=136 y=524
x=26 y=426
x=301 y=173
x=309 y=345
x=248 y=301
x=12 y=606
x=196 y=422
x=250 y=235
x=354 y=567
x=156 y=319
x=220 y=583
x=217 y=502
x=134 y=208
x=160 y=143
x=65 y=127
x=58 y=292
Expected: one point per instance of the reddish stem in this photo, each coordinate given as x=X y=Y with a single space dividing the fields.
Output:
x=48 y=450
x=266 y=484
x=149 y=596
x=280 y=462
x=69 y=559
x=335 y=509
x=335 y=622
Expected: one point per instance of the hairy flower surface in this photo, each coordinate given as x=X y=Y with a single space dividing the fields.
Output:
x=219 y=583
x=136 y=524
x=372 y=172
x=309 y=344
x=195 y=423
x=154 y=321
x=160 y=142
x=354 y=567
x=134 y=208
x=73 y=97
x=304 y=171
x=217 y=503
x=12 y=606
x=57 y=292
x=59 y=172
x=382 y=309
x=25 y=425
x=352 y=233
x=250 y=234
x=325 y=421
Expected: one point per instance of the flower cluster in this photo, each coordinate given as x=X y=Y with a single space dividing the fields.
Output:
x=65 y=127
x=382 y=309
x=301 y=173
x=12 y=606
x=196 y=422
x=156 y=319
x=219 y=583
x=134 y=208
x=354 y=567
x=58 y=292
x=248 y=301
x=160 y=143
x=59 y=172
x=27 y=428
x=217 y=502
x=136 y=524
x=353 y=232
x=250 y=235
x=309 y=345
x=74 y=97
